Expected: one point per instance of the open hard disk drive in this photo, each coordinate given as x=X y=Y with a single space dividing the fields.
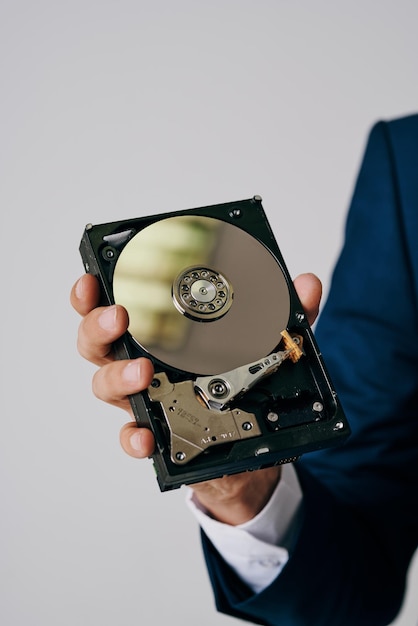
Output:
x=239 y=381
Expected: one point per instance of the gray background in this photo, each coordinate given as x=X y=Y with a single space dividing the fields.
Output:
x=111 y=110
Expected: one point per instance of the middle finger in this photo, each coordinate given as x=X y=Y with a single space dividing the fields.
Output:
x=98 y=330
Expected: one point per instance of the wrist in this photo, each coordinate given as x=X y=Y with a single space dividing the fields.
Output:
x=239 y=498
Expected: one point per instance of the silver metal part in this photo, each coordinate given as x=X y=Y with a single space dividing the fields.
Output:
x=202 y=294
x=196 y=411
x=193 y=426
x=218 y=391
x=272 y=417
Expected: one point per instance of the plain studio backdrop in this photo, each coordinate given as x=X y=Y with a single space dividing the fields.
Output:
x=118 y=109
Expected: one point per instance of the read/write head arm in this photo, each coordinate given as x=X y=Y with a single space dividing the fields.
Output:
x=220 y=390
x=197 y=412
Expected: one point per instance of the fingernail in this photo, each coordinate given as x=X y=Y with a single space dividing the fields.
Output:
x=79 y=288
x=132 y=372
x=135 y=441
x=107 y=318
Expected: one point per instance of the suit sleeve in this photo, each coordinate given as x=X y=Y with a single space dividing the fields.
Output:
x=360 y=524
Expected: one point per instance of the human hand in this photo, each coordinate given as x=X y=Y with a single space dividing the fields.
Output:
x=115 y=380
x=232 y=499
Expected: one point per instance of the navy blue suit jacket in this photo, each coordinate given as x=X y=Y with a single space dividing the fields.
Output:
x=360 y=525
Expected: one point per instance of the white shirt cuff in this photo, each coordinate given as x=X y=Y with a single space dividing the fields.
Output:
x=258 y=549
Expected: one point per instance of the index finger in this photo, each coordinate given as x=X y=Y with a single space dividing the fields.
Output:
x=85 y=294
